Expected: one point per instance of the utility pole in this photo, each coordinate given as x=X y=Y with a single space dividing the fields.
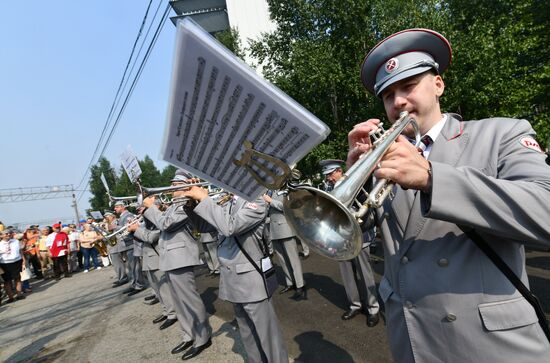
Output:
x=77 y=221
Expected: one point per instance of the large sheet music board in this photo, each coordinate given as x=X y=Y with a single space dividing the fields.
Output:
x=216 y=103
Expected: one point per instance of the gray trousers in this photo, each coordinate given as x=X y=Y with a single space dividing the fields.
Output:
x=117 y=259
x=189 y=306
x=260 y=332
x=211 y=255
x=136 y=266
x=159 y=284
x=365 y=282
x=287 y=253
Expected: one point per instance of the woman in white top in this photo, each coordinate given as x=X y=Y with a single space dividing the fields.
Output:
x=12 y=260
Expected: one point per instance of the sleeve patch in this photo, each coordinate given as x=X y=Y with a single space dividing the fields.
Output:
x=530 y=143
x=252 y=206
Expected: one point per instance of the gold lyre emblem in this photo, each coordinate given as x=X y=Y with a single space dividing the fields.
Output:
x=259 y=162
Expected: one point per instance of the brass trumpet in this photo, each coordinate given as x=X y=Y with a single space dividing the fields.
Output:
x=130 y=199
x=162 y=192
x=330 y=222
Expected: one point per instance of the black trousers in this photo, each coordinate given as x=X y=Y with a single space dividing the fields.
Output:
x=35 y=262
x=60 y=263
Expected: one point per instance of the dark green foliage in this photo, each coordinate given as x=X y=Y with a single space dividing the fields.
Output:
x=500 y=59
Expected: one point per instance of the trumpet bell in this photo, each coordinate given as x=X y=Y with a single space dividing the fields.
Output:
x=325 y=224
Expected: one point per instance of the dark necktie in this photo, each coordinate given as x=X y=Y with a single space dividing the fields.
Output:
x=424 y=143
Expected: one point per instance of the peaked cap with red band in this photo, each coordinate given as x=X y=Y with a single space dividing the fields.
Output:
x=403 y=55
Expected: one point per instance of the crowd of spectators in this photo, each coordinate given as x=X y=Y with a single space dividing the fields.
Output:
x=43 y=253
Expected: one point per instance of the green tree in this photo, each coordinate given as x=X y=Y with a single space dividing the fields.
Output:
x=100 y=200
x=500 y=59
x=167 y=175
x=150 y=175
x=124 y=187
x=230 y=39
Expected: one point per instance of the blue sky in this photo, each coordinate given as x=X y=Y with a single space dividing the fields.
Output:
x=60 y=66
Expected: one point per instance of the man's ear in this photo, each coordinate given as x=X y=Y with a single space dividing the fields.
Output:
x=439 y=85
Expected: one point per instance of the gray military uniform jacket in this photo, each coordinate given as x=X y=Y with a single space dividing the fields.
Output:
x=126 y=243
x=149 y=239
x=445 y=300
x=240 y=282
x=278 y=226
x=177 y=248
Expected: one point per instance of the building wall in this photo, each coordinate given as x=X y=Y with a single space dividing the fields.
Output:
x=250 y=17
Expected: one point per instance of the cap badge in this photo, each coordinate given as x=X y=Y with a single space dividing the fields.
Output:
x=392 y=65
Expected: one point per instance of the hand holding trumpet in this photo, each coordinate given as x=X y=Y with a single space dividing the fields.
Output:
x=195 y=192
x=401 y=163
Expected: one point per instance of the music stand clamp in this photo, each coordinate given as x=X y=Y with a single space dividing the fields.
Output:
x=260 y=161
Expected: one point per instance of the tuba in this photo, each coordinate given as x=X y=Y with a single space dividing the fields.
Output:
x=101 y=247
x=107 y=238
x=329 y=222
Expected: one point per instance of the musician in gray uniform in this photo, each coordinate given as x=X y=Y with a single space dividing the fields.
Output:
x=357 y=274
x=284 y=243
x=240 y=282
x=121 y=253
x=126 y=245
x=445 y=300
x=209 y=242
x=179 y=253
x=149 y=235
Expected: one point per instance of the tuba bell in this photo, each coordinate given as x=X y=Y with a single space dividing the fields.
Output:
x=101 y=247
x=329 y=222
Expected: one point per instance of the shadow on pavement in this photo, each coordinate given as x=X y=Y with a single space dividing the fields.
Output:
x=230 y=330
x=314 y=348
x=29 y=352
x=328 y=288
x=209 y=296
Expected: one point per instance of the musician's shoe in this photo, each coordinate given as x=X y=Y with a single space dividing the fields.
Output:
x=128 y=290
x=135 y=291
x=167 y=323
x=120 y=283
x=152 y=302
x=150 y=297
x=159 y=318
x=373 y=319
x=300 y=294
x=286 y=289
x=181 y=347
x=350 y=314
x=193 y=352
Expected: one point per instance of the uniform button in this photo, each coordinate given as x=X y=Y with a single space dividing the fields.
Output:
x=387 y=215
x=443 y=262
x=450 y=317
x=409 y=304
x=404 y=260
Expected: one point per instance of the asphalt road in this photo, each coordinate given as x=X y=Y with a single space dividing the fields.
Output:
x=83 y=319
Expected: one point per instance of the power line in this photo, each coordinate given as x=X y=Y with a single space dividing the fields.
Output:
x=132 y=87
x=107 y=121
